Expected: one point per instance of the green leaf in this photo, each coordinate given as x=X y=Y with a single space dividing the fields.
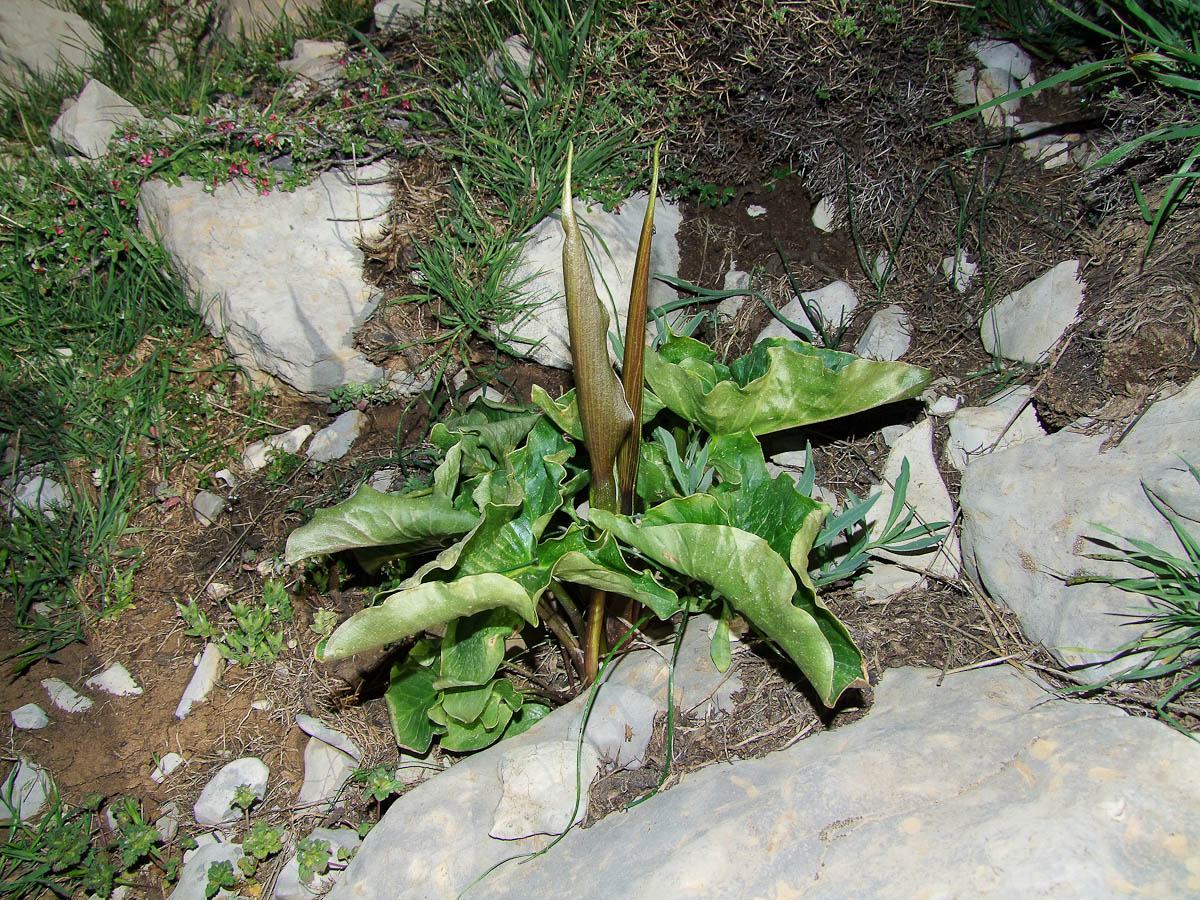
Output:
x=465 y=738
x=409 y=698
x=409 y=523
x=718 y=647
x=465 y=705
x=486 y=426
x=564 y=412
x=780 y=384
x=473 y=648
x=742 y=568
x=425 y=606
x=530 y=715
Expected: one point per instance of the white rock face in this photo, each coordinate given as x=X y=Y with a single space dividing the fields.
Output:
x=88 y=124
x=290 y=887
x=24 y=791
x=208 y=507
x=982 y=787
x=1027 y=323
x=1040 y=141
x=974 y=429
x=29 y=717
x=928 y=495
x=278 y=277
x=193 y=878
x=540 y=785
x=36 y=38
x=65 y=697
x=836 y=301
x=887 y=336
x=41 y=493
x=612 y=240
x=258 y=454
x=315 y=60
x=326 y=769
x=208 y=670
x=972 y=87
x=115 y=680
x=334 y=441
x=1028 y=511
x=215 y=805
x=620 y=727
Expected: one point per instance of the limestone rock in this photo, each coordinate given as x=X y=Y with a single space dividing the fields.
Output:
x=208 y=670
x=193 y=878
x=315 y=60
x=334 y=441
x=208 y=507
x=1027 y=323
x=835 y=302
x=89 y=122
x=612 y=240
x=390 y=14
x=544 y=788
x=165 y=766
x=290 y=887
x=959 y=270
x=278 y=277
x=826 y=215
x=65 y=697
x=1041 y=141
x=322 y=732
x=215 y=804
x=974 y=429
x=326 y=769
x=620 y=726
x=887 y=336
x=24 y=791
x=258 y=16
x=1028 y=513
x=1003 y=55
x=41 y=493
x=36 y=38
x=979 y=787
x=927 y=494
x=258 y=454
x=29 y=717
x=115 y=680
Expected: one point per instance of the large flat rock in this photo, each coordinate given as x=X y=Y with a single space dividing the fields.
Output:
x=1029 y=511
x=977 y=788
x=279 y=277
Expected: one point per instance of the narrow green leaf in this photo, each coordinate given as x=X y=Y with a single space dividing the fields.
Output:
x=718 y=646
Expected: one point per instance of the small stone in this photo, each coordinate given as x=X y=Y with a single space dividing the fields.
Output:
x=541 y=786
x=30 y=717
x=487 y=393
x=65 y=697
x=1027 y=323
x=390 y=14
x=40 y=493
x=755 y=211
x=228 y=477
x=218 y=590
x=208 y=670
x=941 y=406
x=1003 y=55
x=115 y=680
x=167 y=823
x=413 y=770
x=215 y=804
x=1005 y=421
x=825 y=215
x=882 y=269
x=318 y=729
x=334 y=441
x=791 y=459
x=381 y=479
x=835 y=302
x=258 y=454
x=166 y=765
x=1041 y=143
x=315 y=60
x=887 y=335
x=24 y=792
x=208 y=507
x=89 y=122
x=193 y=878
x=326 y=769
x=893 y=433
x=290 y=887
x=959 y=270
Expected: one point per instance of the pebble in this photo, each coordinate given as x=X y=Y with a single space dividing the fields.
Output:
x=65 y=697
x=166 y=765
x=215 y=805
x=208 y=670
x=30 y=717
x=326 y=769
x=115 y=680
x=318 y=729
x=24 y=791
x=208 y=507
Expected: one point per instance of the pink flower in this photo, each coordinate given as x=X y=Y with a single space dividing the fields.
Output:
x=145 y=159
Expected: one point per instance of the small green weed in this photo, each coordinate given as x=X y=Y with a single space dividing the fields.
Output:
x=256 y=631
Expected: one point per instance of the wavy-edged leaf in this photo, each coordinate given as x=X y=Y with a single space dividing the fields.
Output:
x=492 y=427
x=473 y=648
x=410 y=523
x=409 y=698
x=780 y=384
x=752 y=578
x=564 y=412
x=407 y=612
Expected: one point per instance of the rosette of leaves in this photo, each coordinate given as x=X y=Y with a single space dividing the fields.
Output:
x=500 y=544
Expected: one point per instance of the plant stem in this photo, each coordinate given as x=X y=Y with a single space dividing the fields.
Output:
x=596 y=644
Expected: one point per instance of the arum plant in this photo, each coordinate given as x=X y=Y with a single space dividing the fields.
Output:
x=499 y=542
